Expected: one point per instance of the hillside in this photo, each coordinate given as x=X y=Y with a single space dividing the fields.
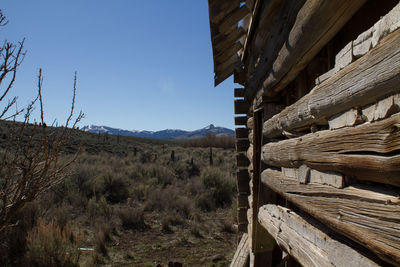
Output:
x=130 y=201
x=168 y=134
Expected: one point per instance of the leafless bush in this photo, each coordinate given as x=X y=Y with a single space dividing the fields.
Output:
x=30 y=163
x=48 y=245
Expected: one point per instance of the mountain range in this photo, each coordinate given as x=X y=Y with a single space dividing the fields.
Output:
x=168 y=134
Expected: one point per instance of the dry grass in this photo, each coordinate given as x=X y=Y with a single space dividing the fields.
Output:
x=126 y=203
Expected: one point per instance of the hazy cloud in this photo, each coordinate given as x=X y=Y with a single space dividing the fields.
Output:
x=167 y=85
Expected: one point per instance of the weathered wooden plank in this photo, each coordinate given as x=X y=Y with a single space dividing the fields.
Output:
x=240 y=120
x=239 y=76
x=241 y=133
x=242 y=181
x=242 y=254
x=228 y=52
x=260 y=24
x=232 y=19
x=243 y=186
x=222 y=42
x=242 y=201
x=369 y=216
x=238 y=92
x=348 y=118
x=242 y=144
x=368 y=151
x=242 y=215
x=324 y=76
x=242 y=227
x=220 y=9
x=367 y=80
x=316 y=23
x=383 y=109
x=241 y=107
x=225 y=69
x=344 y=57
x=242 y=160
x=309 y=245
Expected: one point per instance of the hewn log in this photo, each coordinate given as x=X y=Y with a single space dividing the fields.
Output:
x=240 y=120
x=232 y=19
x=369 y=216
x=239 y=92
x=249 y=153
x=242 y=181
x=242 y=227
x=241 y=107
x=242 y=215
x=368 y=151
x=227 y=40
x=365 y=81
x=241 y=257
x=228 y=52
x=277 y=32
x=262 y=20
x=242 y=201
x=309 y=245
x=241 y=133
x=316 y=23
x=250 y=123
x=242 y=144
x=225 y=69
x=242 y=160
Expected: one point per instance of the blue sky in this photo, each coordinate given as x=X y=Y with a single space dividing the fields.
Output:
x=143 y=65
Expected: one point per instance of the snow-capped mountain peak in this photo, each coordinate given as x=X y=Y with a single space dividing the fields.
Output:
x=167 y=134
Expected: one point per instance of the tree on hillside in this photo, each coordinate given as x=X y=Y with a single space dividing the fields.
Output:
x=30 y=162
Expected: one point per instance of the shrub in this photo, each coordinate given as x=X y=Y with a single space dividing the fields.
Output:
x=205 y=201
x=115 y=189
x=48 y=245
x=227 y=226
x=132 y=218
x=13 y=239
x=62 y=215
x=195 y=230
x=100 y=208
x=103 y=236
x=219 y=184
x=169 y=199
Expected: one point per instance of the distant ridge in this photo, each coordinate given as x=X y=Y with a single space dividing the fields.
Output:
x=168 y=134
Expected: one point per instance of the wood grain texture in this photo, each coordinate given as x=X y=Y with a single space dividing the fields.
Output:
x=369 y=216
x=309 y=245
x=242 y=144
x=238 y=92
x=369 y=151
x=316 y=24
x=276 y=33
x=241 y=133
x=242 y=160
x=241 y=107
x=365 y=81
x=240 y=120
x=242 y=254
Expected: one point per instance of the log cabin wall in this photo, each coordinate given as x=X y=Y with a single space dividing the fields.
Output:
x=318 y=139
